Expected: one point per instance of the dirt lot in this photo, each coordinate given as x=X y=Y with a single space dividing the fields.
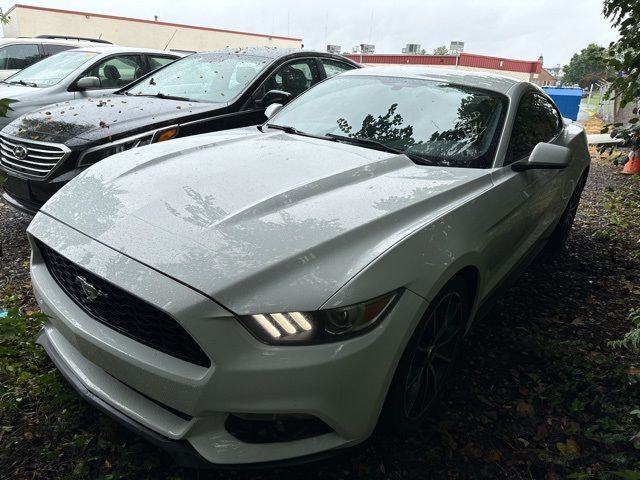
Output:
x=539 y=392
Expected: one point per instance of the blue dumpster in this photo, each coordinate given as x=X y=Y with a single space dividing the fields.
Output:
x=567 y=99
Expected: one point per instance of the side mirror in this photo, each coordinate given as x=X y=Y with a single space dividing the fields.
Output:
x=87 y=83
x=275 y=96
x=545 y=156
x=272 y=109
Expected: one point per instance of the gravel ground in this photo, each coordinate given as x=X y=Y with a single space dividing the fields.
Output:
x=14 y=253
x=537 y=394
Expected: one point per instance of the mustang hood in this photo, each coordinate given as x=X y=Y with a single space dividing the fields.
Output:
x=244 y=216
x=94 y=119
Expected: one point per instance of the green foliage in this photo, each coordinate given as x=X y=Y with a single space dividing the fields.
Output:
x=587 y=67
x=624 y=60
x=5 y=106
x=441 y=50
x=631 y=339
x=621 y=219
x=4 y=19
x=628 y=475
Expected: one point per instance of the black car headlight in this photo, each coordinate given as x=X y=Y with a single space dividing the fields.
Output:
x=320 y=326
x=94 y=155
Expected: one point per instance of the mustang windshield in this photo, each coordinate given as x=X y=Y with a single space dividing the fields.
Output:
x=444 y=124
x=52 y=69
x=202 y=77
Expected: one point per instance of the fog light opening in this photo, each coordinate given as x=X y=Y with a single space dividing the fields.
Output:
x=264 y=428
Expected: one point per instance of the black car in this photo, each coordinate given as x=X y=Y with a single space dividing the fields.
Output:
x=204 y=92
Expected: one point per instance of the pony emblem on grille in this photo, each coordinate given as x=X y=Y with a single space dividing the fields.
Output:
x=91 y=292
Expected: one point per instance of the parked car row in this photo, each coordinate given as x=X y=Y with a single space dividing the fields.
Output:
x=275 y=288
x=203 y=92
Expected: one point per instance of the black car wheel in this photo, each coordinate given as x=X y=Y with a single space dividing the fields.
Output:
x=560 y=235
x=427 y=360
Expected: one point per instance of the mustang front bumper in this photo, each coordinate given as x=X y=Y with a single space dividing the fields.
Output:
x=183 y=407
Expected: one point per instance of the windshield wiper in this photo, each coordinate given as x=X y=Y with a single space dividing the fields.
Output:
x=370 y=142
x=159 y=95
x=285 y=128
x=293 y=131
x=171 y=97
x=26 y=84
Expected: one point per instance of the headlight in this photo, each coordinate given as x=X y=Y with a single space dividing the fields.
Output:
x=321 y=326
x=94 y=155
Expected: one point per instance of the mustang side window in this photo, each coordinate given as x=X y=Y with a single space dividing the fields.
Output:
x=536 y=121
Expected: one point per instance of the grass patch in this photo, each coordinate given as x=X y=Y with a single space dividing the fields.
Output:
x=622 y=207
x=596 y=99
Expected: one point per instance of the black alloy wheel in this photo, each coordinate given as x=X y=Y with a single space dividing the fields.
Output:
x=428 y=359
x=560 y=235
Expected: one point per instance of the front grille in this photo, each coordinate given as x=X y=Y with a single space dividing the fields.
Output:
x=122 y=311
x=30 y=158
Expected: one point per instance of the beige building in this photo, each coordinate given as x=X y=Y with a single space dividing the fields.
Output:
x=31 y=21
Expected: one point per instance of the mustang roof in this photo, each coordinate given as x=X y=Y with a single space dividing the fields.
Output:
x=488 y=81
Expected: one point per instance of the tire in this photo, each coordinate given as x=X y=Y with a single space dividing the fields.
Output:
x=427 y=360
x=558 y=238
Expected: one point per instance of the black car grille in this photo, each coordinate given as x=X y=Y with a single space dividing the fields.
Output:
x=30 y=158
x=122 y=311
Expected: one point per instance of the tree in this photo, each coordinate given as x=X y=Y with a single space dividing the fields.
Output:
x=441 y=50
x=587 y=67
x=624 y=60
x=385 y=128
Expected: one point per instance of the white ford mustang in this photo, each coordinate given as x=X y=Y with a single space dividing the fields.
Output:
x=263 y=294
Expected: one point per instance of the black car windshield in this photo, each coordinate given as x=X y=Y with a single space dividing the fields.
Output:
x=445 y=124
x=203 y=77
x=53 y=69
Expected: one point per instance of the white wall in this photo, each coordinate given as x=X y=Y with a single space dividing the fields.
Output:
x=28 y=22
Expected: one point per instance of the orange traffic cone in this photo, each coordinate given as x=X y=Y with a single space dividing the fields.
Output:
x=633 y=164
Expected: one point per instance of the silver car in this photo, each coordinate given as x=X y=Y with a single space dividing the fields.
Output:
x=274 y=292
x=19 y=53
x=79 y=73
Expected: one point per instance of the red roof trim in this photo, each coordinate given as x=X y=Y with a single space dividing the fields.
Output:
x=463 y=60
x=140 y=20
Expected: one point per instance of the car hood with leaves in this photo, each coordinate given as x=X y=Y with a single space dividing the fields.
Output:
x=239 y=214
x=110 y=117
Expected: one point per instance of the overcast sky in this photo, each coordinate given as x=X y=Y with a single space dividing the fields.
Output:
x=521 y=29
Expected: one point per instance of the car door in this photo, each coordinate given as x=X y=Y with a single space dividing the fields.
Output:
x=294 y=76
x=114 y=72
x=525 y=204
